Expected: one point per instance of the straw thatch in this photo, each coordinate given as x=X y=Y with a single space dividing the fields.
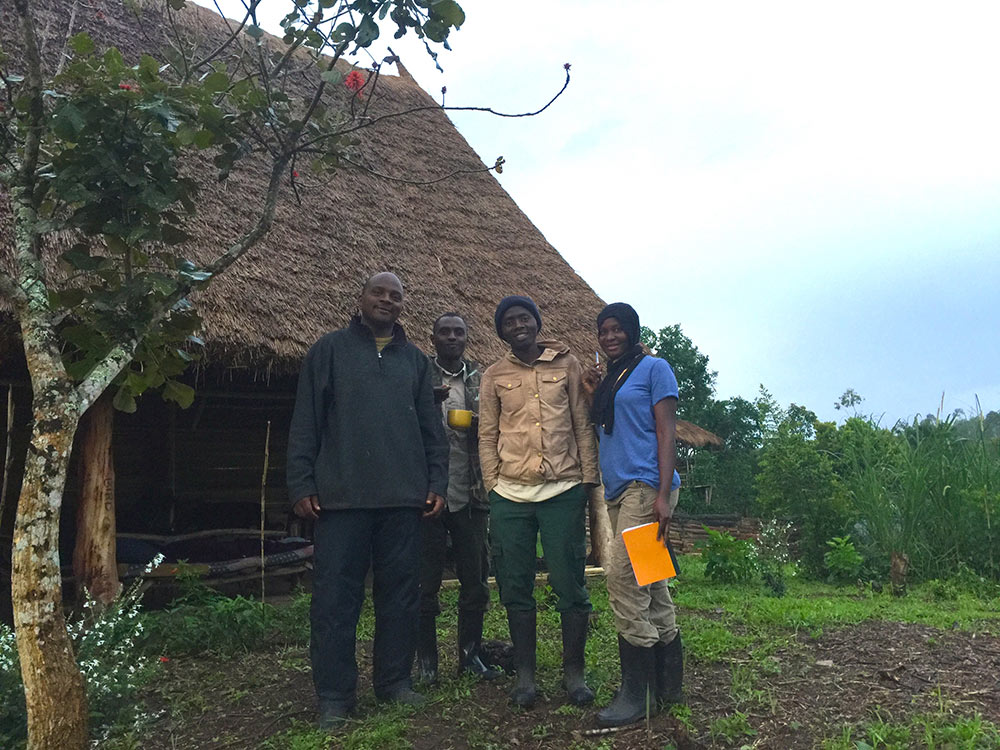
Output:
x=461 y=244
x=695 y=436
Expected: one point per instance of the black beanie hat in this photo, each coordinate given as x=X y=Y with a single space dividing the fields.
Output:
x=627 y=318
x=512 y=301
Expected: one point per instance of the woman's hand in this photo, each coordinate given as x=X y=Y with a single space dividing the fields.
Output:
x=591 y=378
x=661 y=511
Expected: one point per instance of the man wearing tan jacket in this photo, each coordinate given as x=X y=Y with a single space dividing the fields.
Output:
x=538 y=451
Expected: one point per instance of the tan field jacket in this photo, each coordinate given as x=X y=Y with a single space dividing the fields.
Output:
x=534 y=424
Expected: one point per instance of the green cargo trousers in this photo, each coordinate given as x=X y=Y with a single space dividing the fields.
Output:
x=514 y=527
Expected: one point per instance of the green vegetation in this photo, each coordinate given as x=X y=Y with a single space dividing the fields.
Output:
x=918 y=501
x=749 y=654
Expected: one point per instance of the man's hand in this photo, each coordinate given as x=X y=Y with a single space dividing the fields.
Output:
x=441 y=393
x=307 y=507
x=433 y=505
x=591 y=378
x=661 y=511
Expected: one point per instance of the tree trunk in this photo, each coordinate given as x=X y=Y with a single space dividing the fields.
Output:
x=94 y=564
x=53 y=687
x=600 y=527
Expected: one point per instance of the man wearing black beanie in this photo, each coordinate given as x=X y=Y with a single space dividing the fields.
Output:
x=538 y=451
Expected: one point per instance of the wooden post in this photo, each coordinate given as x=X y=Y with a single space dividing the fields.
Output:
x=94 y=562
x=600 y=527
x=8 y=453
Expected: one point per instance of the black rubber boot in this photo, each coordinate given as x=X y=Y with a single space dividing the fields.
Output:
x=470 y=640
x=574 y=639
x=522 y=633
x=427 y=650
x=637 y=695
x=669 y=671
x=333 y=714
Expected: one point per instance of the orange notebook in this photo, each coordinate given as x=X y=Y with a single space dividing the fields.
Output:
x=651 y=561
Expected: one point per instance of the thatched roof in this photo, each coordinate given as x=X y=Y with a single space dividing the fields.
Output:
x=461 y=244
x=695 y=436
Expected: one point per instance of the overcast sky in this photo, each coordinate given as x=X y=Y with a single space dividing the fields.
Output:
x=812 y=191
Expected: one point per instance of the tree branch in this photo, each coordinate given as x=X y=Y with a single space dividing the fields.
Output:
x=434 y=181
x=414 y=110
x=232 y=37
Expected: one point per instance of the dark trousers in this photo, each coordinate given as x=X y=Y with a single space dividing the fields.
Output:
x=467 y=528
x=514 y=528
x=346 y=543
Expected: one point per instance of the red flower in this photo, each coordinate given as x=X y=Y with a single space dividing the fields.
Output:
x=164 y=659
x=355 y=81
x=295 y=173
x=125 y=86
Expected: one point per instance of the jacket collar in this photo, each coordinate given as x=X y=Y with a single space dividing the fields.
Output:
x=551 y=348
x=358 y=326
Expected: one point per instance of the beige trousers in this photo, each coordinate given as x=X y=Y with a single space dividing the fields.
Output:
x=644 y=615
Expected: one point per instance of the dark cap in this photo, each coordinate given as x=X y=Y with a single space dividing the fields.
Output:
x=515 y=300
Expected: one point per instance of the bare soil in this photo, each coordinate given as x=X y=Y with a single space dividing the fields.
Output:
x=815 y=686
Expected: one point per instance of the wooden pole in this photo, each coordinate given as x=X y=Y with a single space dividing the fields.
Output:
x=263 y=495
x=94 y=563
x=600 y=527
x=8 y=455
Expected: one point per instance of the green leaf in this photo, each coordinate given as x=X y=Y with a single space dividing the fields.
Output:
x=67 y=298
x=255 y=32
x=215 y=82
x=178 y=392
x=175 y=4
x=81 y=43
x=449 y=12
x=344 y=32
x=68 y=121
x=173 y=236
x=367 y=32
x=124 y=400
x=114 y=61
x=148 y=69
x=332 y=76
x=204 y=138
x=81 y=260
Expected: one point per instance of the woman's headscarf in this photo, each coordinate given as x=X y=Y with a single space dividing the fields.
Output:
x=603 y=410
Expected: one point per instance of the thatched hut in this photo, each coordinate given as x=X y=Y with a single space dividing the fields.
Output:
x=460 y=244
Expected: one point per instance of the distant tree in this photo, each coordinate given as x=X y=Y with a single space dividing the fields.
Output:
x=694 y=380
x=797 y=481
x=849 y=399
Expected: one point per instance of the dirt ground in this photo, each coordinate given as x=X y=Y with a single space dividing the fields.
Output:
x=816 y=686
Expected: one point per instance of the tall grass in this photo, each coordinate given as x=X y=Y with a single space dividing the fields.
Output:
x=925 y=492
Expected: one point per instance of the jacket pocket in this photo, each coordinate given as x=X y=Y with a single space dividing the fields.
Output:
x=554 y=388
x=511 y=395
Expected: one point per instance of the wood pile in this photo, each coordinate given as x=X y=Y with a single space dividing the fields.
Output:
x=686 y=532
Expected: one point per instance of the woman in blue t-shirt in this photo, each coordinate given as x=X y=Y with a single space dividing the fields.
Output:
x=634 y=412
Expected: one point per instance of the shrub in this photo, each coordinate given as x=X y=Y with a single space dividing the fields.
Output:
x=104 y=640
x=728 y=560
x=773 y=554
x=13 y=718
x=843 y=562
x=203 y=621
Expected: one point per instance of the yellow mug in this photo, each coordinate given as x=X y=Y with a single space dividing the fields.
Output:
x=459 y=419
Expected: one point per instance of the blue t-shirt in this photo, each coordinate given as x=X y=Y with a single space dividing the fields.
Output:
x=628 y=454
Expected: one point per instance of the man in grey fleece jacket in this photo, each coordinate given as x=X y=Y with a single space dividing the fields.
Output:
x=367 y=457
